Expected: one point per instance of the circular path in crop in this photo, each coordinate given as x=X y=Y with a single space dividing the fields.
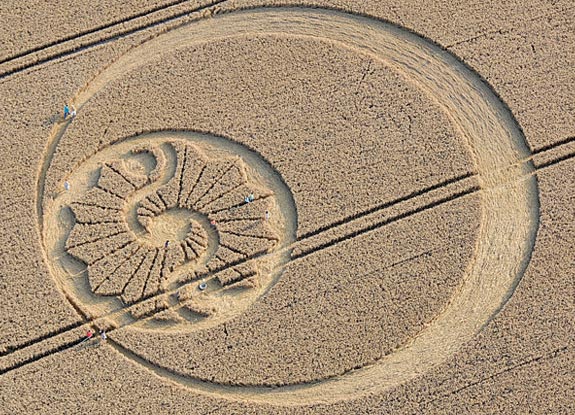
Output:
x=288 y=205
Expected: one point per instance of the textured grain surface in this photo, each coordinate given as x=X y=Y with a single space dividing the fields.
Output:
x=31 y=24
x=536 y=82
x=356 y=301
x=521 y=361
x=524 y=49
x=230 y=88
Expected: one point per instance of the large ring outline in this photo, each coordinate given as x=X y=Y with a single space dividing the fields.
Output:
x=509 y=192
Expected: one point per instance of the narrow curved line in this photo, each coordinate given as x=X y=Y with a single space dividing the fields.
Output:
x=164 y=373
x=152 y=314
x=497 y=132
x=549 y=355
x=159 y=251
x=205 y=385
x=29 y=343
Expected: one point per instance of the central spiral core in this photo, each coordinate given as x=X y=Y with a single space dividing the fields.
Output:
x=174 y=226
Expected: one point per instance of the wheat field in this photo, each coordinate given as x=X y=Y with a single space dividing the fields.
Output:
x=264 y=207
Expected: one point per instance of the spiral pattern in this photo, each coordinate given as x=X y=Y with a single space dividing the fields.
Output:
x=217 y=219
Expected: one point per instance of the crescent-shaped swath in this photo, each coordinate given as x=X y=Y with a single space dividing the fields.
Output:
x=508 y=193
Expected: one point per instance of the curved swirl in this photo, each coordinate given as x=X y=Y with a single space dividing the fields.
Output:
x=166 y=212
x=202 y=192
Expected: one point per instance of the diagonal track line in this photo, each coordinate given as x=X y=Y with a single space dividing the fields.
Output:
x=452 y=182
x=541 y=166
x=98 y=28
x=404 y=215
x=388 y=204
x=554 y=145
x=72 y=50
x=127 y=309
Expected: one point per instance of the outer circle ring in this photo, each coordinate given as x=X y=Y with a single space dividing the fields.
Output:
x=509 y=192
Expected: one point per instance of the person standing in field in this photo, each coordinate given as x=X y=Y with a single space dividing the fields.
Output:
x=66 y=111
x=103 y=335
x=73 y=112
x=89 y=335
x=66 y=186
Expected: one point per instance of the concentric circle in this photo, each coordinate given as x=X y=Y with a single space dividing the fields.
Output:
x=508 y=195
x=168 y=212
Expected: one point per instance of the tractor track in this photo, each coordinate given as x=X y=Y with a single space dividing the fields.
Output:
x=14 y=67
x=466 y=181
x=90 y=31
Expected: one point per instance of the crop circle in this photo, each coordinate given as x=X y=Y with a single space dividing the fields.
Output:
x=507 y=188
x=195 y=210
